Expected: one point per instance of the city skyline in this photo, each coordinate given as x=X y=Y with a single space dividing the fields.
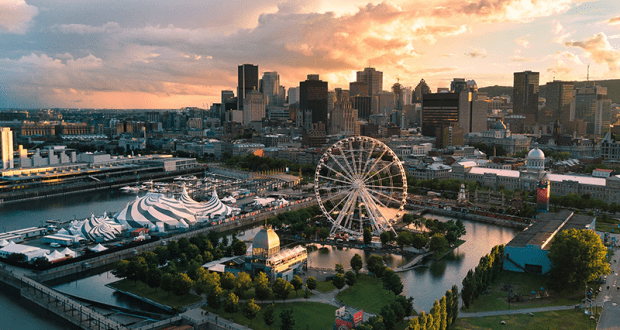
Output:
x=118 y=54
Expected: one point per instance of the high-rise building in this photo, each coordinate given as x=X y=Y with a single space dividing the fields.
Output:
x=525 y=95
x=293 y=95
x=560 y=101
x=247 y=81
x=270 y=87
x=421 y=89
x=594 y=107
x=362 y=104
x=313 y=97
x=372 y=78
x=6 y=144
x=449 y=116
x=358 y=88
x=253 y=107
x=457 y=85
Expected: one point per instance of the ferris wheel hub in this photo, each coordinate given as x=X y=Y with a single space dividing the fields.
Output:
x=357 y=184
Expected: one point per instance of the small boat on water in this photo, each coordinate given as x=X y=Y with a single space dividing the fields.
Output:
x=130 y=189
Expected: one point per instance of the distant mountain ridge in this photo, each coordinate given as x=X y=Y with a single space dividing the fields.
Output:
x=613 y=89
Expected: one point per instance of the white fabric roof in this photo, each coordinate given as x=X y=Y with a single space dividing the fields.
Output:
x=4 y=243
x=19 y=248
x=68 y=251
x=214 y=207
x=98 y=248
x=145 y=211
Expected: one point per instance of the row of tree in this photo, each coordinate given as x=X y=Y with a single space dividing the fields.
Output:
x=476 y=281
x=443 y=313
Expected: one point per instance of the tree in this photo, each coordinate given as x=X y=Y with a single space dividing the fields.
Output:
x=250 y=310
x=577 y=257
x=350 y=278
x=339 y=281
x=153 y=277
x=228 y=281
x=357 y=263
x=404 y=238
x=419 y=241
x=167 y=281
x=120 y=268
x=339 y=269
x=443 y=314
x=214 y=296
x=182 y=284
x=243 y=283
x=389 y=316
x=436 y=316
x=392 y=282
x=286 y=318
x=455 y=304
x=282 y=288
x=137 y=268
x=406 y=304
x=438 y=242
x=206 y=282
x=269 y=316
x=323 y=233
x=311 y=283
x=469 y=286
x=297 y=283
x=414 y=324
x=408 y=218
x=239 y=248
x=375 y=265
x=231 y=304
x=261 y=286
x=376 y=322
x=385 y=237
x=306 y=293
x=367 y=236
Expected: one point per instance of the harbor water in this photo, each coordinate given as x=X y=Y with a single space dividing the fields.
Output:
x=424 y=284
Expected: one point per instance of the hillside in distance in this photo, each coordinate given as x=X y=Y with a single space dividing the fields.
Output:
x=613 y=89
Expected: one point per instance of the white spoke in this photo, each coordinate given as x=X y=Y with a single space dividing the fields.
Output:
x=346 y=161
x=383 y=195
x=369 y=155
x=349 y=175
x=333 y=179
x=338 y=173
x=384 y=167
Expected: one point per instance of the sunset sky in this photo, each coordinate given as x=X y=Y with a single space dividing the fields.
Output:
x=171 y=54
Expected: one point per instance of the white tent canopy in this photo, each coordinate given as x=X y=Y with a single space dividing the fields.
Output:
x=98 y=248
x=4 y=243
x=69 y=252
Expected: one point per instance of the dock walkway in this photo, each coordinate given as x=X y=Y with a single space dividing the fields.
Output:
x=412 y=263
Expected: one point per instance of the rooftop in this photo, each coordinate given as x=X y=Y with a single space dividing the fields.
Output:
x=540 y=232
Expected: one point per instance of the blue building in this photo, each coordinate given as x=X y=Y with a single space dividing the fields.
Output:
x=527 y=252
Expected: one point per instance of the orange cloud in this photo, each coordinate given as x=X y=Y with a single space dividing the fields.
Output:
x=599 y=49
x=15 y=15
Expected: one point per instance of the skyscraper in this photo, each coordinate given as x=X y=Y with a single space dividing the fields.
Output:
x=270 y=87
x=253 y=107
x=6 y=147
x=247 y=81
x=525 y=95
x=313 y=97
x=594 y=107
x=560 y=101
x=421 y=89
x=373 y=80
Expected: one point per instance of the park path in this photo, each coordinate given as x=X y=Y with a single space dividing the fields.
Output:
x=516 y=311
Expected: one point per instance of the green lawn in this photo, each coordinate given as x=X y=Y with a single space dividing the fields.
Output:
x=367 y=294
x=524 y=284
x=325 y=286
x=316 y=315
x=568 y=319
x=157 y=295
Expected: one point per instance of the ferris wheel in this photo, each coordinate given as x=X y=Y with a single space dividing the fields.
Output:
x=360 y=182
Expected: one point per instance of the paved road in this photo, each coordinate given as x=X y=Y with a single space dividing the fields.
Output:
x=516 y=311
x=610 y=298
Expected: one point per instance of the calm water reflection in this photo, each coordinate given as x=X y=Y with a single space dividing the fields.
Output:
x=428 y=284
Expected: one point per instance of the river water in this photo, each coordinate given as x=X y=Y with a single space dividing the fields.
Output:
x=424 y=284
